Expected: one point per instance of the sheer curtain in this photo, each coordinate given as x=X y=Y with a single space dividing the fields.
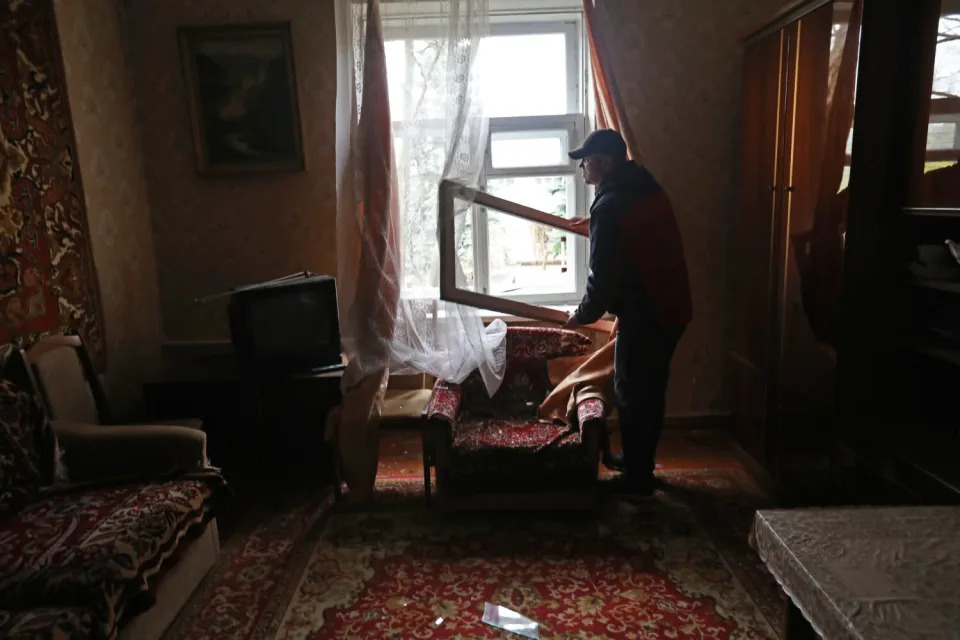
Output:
x=367 y=240
x=441 y=133
x=387 y=220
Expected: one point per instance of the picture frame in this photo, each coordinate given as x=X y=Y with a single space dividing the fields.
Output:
x=242 y=96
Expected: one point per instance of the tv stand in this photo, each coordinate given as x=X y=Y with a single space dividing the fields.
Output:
x=262 y=430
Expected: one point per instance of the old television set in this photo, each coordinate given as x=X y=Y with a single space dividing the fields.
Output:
x=287 y=326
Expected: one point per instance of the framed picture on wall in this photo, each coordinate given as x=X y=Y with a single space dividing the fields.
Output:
x=242 y=95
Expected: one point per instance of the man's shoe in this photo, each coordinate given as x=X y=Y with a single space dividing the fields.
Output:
x=624 y=484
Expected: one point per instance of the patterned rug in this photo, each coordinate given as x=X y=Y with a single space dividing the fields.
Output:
x=673 y=566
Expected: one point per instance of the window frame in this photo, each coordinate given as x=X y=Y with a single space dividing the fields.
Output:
x=574 y=125
x=574 y=122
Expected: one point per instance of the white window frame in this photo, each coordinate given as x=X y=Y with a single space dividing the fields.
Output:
x=574 y=125
x=531 y=17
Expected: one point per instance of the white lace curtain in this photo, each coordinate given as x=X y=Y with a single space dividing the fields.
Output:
x=438 y=132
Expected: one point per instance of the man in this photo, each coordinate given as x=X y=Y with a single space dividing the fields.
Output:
x=638 y=273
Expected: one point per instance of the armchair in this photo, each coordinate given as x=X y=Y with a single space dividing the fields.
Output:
x=59 y=371
x=493 y=452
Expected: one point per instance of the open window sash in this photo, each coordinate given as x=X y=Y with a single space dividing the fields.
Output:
x=450 y=192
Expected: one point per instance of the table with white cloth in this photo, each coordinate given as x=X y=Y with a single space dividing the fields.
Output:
x=865 y=572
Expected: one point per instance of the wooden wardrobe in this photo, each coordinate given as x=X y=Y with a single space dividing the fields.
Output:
x=782 y=377
x=864 y=413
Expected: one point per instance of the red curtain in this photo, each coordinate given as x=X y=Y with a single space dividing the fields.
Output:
x=820 y=251
x=372 y=312
x=595 y=372
x=609 y=103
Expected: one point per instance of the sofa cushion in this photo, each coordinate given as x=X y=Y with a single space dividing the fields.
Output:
x=97 y=549
x=504 y=454
x=24 y=454
x=526 y=380
x=528 y=436
x=525 y=385
x=55 y=623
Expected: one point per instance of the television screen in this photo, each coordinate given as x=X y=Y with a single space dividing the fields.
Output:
x=288 y=326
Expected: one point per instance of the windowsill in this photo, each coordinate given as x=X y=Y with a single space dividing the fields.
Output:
x=490 y=316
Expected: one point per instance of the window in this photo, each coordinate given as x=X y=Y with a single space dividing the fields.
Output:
x=533 y=83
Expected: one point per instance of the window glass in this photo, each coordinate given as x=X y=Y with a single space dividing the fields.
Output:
x=940 y=183
x=524 y=75
x=528 y=259
x=512 y=149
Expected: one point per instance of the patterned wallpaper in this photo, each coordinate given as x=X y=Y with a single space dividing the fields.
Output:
x=110 y=158
x=678 y=65
x=215 y=233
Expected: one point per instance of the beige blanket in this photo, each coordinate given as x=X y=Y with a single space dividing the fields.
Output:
x=576 y=379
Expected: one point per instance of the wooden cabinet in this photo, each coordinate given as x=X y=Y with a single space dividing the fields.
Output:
x=782 y=375
x=262 y=432
x=755 y=224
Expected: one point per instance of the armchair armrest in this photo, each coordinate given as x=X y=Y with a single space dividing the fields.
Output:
x=591 y=409
x=192 y=423
x=445 y=402
x=95 y=452
x=592 y=413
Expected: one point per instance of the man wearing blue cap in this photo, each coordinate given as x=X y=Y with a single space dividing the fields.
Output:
x=638 y=272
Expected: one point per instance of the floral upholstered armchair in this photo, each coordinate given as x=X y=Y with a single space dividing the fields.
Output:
x=493 y=452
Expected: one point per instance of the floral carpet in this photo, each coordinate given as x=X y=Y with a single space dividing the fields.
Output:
x=48 y=281
x=676 y=565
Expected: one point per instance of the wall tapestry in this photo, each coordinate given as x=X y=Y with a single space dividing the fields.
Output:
x=48 y=282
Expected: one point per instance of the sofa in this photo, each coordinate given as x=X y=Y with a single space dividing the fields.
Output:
x=495 y=452
x=114 y=556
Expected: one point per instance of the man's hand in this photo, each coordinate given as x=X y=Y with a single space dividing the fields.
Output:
x=572 y=322
x=580 y=225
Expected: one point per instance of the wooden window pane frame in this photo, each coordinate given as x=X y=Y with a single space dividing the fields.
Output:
x=450 y=191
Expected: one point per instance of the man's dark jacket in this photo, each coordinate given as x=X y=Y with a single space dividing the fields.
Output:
x=638 y=271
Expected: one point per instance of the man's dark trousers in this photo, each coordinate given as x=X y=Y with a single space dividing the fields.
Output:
x=641 y=368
